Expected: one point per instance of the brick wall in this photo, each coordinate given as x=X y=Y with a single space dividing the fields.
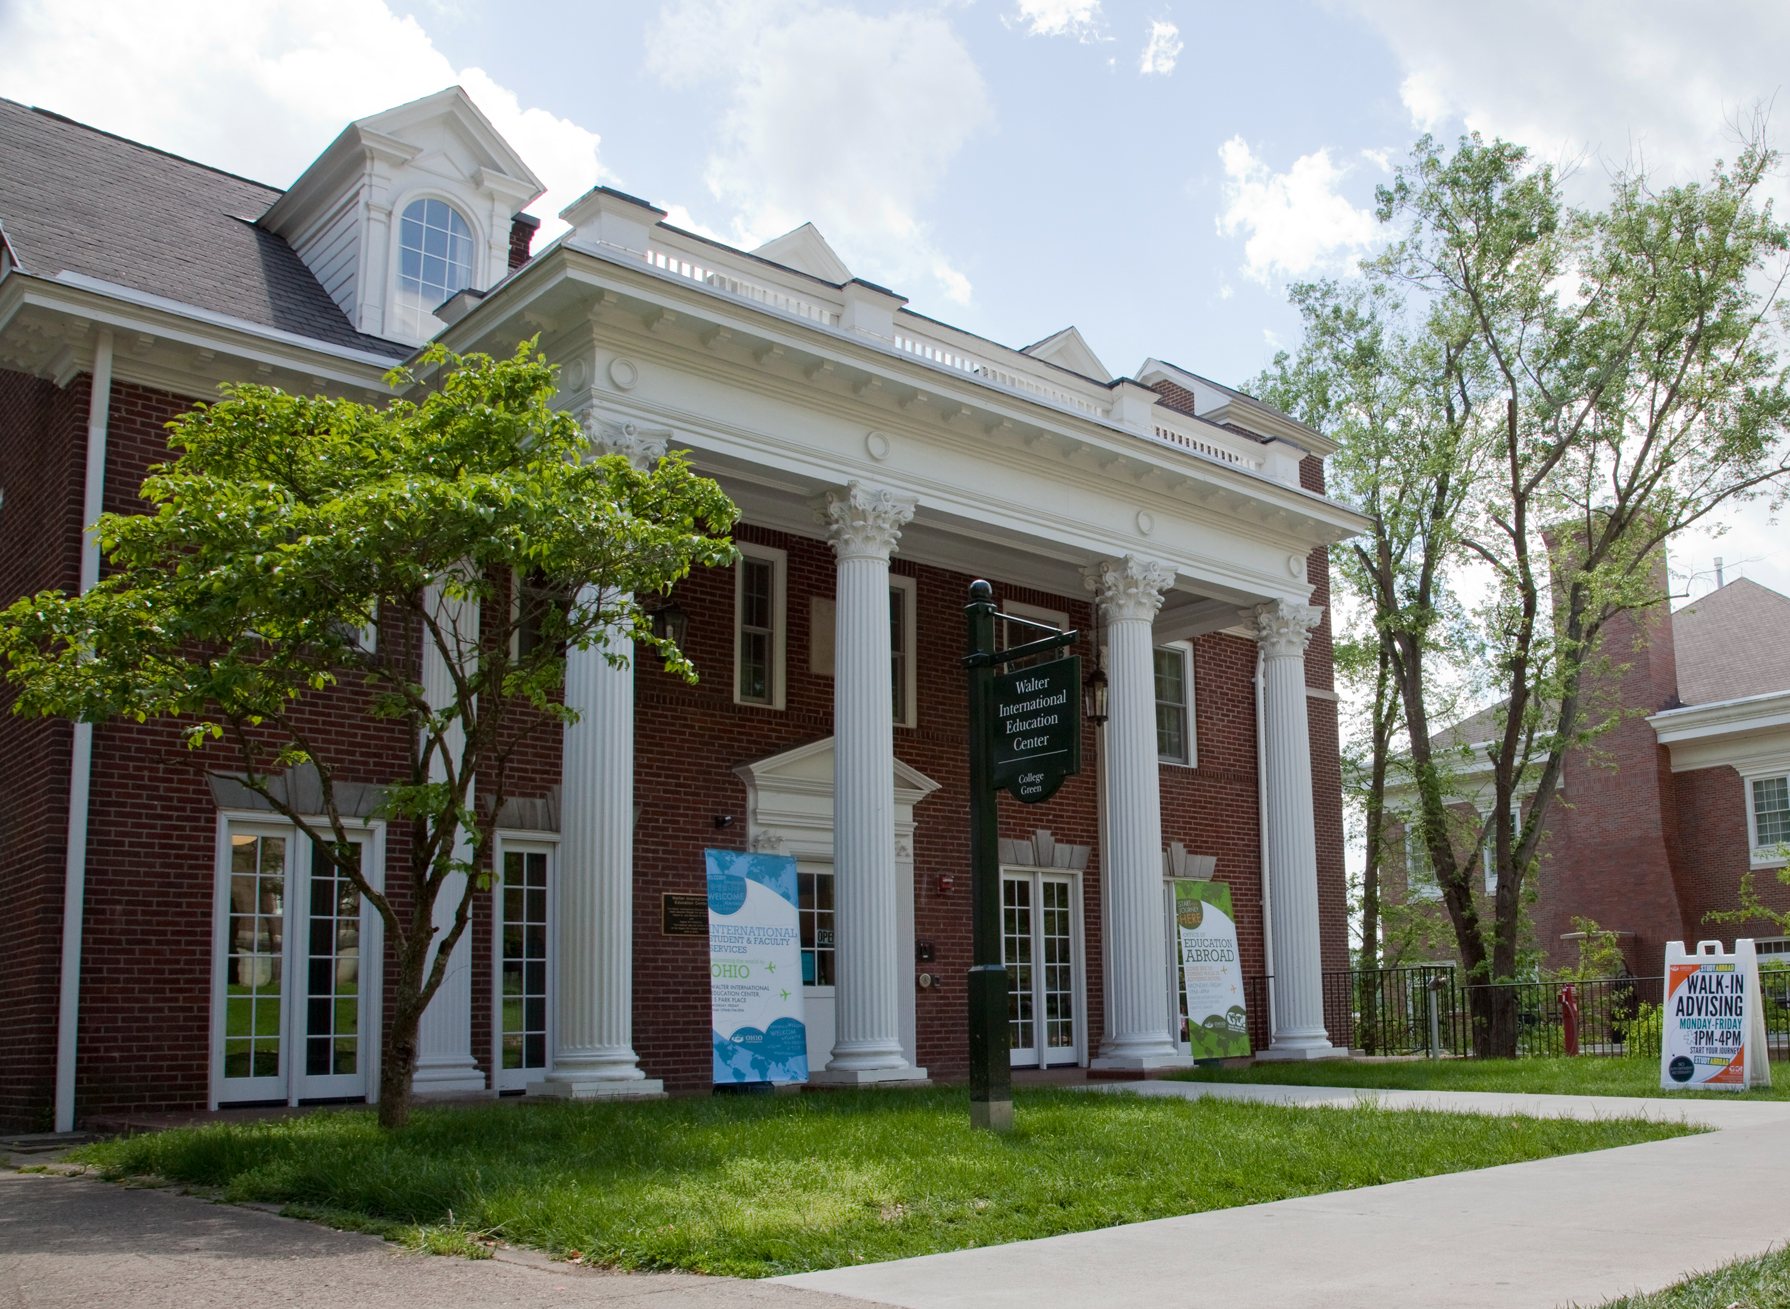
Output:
x=147 y=973
x=1608 y=856
x=1715 y=853
x=43 y=438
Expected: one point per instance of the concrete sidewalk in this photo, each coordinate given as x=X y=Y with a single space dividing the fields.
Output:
x=1577 y=1229
x=79 y=1243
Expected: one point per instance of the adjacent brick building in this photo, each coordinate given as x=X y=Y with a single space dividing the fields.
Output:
x=169 y=944
x=1659 y=817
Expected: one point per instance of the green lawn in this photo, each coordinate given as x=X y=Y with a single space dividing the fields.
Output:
x=1762 y=1283
x=759 y=1186
x=1588 y=1075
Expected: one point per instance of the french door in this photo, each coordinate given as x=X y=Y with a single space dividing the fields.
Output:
x=1041 y=946
x=293 y=1013
x=524 y=927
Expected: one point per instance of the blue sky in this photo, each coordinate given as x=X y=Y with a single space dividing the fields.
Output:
x=1154 y=173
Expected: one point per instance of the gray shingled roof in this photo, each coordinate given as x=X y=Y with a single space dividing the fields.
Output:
x=1733 y=643
x=75 y=199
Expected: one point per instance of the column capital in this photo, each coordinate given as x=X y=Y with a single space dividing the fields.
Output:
x=865 y=522
x=640 y=446
x=1129 y=588
x=1284 y=628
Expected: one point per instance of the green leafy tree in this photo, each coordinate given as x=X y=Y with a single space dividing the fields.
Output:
x=1586 y=384
x=285 y=529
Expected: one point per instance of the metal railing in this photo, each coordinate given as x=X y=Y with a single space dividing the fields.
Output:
x=1428 y=1009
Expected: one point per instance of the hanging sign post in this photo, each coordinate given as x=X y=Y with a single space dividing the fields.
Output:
x=1712 y=1029
x=1025 y=737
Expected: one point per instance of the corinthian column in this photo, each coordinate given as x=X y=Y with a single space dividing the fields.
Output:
x=593 y=1027
x=863 y=525
x=1129 y=592
x=444 y=1063
x=1290 y=834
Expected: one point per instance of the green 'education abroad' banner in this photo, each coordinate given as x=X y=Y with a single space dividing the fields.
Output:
x=1217 y=1021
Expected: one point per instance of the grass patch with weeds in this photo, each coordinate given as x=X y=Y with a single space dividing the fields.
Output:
x=1586 y=1075
x=1762 y=1283
x=761 y=1186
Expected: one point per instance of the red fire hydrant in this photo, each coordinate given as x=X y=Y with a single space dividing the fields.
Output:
x=1569 y=1011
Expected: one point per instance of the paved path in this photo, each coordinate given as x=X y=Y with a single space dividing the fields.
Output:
x=79 y=1243
x=1579 y=1228
x=1573 y=1229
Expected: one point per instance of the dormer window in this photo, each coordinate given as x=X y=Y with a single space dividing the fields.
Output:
x=434 y=263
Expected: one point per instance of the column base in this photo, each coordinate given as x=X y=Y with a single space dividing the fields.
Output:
x=447 y=1078
x=1144 y=1061
x=906 y=1075
x=598 y=1088
x=1301 y=1048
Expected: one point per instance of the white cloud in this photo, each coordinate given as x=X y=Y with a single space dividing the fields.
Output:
x=262 y=89
x=1297 y=223
x=846 y=120
x=1162 y=49
x=1608 y=77
x=1080 y=19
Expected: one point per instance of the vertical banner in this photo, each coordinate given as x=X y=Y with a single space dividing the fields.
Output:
x=1712 y=1030
x=755 y=968
x=1217 y=1021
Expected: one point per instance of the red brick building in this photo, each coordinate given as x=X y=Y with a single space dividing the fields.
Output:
x=1655 y=823
x=169 y=943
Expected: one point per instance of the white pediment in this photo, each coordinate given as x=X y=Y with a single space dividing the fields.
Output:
x=806 y=251
x=808 y=770
x=1067 y=349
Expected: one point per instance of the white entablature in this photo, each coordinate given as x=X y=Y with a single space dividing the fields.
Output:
x=801 y=386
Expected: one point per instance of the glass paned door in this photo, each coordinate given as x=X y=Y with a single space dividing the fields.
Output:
x=523 y=930
x=332 y=980
x=293 y=1008
x=255 y=967
x=1039 y=947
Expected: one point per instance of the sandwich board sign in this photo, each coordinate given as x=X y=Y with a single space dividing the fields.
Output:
x=1217 y=1019
x=1712 y=1029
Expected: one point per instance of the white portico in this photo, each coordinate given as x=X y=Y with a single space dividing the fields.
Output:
x=832 y=414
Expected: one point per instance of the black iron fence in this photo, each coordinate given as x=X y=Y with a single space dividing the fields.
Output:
x=1427 y=1009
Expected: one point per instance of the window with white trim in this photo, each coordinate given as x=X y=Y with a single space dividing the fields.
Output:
x=1420 y=874
x=814 y=907
x=435 y=253
x=1489 y=853
x=1007 y=635
x=901 y=650
x=1768 y=818
x=760 y=582
x=1173 y=665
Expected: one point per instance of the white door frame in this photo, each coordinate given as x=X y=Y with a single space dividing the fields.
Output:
x=525 y=842
x=289 y=1084
x=1078 y=971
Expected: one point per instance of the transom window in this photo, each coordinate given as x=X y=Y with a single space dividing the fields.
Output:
x=434 y=263
x=1174 y=703
x=1768 y=817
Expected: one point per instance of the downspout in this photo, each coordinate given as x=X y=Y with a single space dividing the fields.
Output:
x=1261 y=821
x=80 y=769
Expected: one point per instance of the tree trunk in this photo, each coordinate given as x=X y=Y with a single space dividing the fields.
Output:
x=398 y=1050
x=1493 y=1012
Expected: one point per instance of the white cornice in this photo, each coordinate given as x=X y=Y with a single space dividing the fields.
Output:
x=1751 y=734
x=180 y=348
x=1170 y=471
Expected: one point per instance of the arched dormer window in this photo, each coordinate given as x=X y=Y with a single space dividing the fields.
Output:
x=434 y=263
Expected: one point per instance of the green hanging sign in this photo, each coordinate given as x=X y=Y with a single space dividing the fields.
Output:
x=1037 y=728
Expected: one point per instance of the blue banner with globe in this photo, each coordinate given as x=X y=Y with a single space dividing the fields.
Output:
x=755 y=968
